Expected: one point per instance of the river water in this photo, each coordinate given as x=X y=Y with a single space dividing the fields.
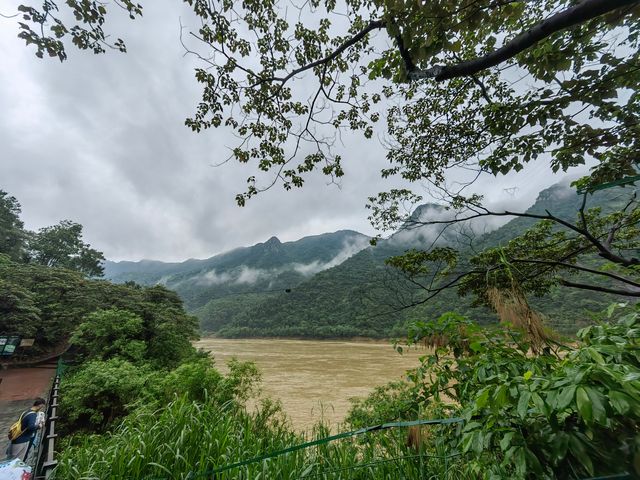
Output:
x=315 y=379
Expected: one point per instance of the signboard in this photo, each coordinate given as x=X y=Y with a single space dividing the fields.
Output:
x=8 y=345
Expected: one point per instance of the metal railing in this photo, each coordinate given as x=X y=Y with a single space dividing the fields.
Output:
x=45 y=457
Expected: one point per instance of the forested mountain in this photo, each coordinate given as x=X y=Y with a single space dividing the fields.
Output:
x=333 y=285
x=365 y=297
x=267 y=266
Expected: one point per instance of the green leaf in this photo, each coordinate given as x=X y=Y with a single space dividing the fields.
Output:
x=482 y=399
x=467 y=441
x=506 y=440
x=565 y=397
x=533 y=463
x=472 y=426
x=598 y=403
x=577 y=448
x=584 y=405
x=528 y=374
x=523 y=404
x=596 y=356
x=520 y=461
x=478 y=442
x=500 y=396
x=559 y=446
x=540 y=404
x=620 y=401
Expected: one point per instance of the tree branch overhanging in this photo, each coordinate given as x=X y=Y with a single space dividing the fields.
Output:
x=596 y=288
x=571 y=266
x=604 y=251
x=373 y=25
x=574 y=15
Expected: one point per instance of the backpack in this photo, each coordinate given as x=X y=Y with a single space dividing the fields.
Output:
x=16 y=429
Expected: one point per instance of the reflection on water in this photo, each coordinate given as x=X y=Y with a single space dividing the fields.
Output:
x=308 y=375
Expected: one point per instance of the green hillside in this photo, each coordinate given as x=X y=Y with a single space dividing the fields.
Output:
x=333 y=285
x=264 y=267
x=364 y=297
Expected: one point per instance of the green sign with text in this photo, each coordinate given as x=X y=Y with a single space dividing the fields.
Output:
x=8 y=344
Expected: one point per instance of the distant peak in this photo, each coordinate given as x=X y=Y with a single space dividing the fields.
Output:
x=272 y=241
x=427 y=210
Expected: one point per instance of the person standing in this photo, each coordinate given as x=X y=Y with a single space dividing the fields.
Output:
x=30 y=423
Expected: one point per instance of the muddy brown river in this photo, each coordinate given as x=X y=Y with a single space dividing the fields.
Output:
x=315 y=379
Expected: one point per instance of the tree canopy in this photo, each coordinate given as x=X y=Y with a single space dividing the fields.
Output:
x=12 y=233
x=482 y=84
x=59 y=245
x=472 y=86
x=62 y=246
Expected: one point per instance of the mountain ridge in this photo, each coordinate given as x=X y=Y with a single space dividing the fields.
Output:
x=264 y=266
x=114 y=269
x=364 y=297
x=318 y=288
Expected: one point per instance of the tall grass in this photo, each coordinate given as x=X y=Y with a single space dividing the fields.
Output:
x=188 y=440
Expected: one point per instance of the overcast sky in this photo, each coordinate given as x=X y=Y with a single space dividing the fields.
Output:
x=101 y=140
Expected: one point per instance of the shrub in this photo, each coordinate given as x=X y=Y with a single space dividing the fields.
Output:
x=199 y=381
x=112 y=333
x=100 y=393
x=571 y=411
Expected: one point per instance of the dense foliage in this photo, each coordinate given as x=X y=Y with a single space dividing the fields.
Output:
x=174 y=440
x=99 y=393
x=49 y=303
x=180 y=448
x=62 y=246
x=571 y=411
x=159 y=333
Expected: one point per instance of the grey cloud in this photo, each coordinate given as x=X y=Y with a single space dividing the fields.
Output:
x=213 y=278
x=248 y=275
x=415 y=236
x=100 y=140
x=252 y=275
x=350 y=249
x=241 y=275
